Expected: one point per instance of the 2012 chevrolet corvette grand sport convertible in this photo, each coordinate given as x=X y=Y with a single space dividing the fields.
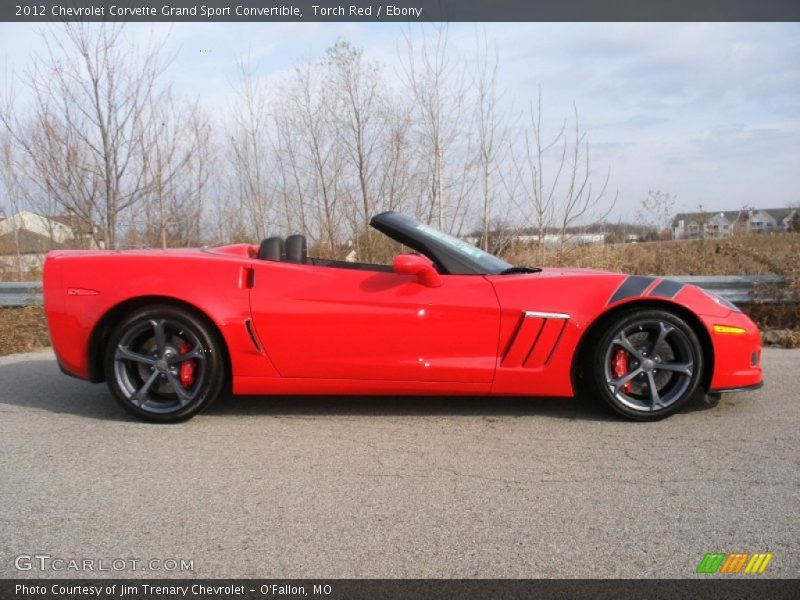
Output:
x=170 y=330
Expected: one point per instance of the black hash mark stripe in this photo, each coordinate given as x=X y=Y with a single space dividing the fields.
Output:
x=667 y=289
x=633 y=286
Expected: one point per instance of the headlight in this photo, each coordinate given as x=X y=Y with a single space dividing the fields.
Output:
x=721 y=301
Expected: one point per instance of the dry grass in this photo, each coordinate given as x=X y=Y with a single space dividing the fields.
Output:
x=22 y=329
x=751 y=255
x=11 y=275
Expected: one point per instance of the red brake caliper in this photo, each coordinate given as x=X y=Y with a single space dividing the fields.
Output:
x=187 y=367
x=620 y=366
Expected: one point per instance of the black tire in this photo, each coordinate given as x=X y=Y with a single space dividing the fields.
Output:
x=164 y=364
x=646 y=365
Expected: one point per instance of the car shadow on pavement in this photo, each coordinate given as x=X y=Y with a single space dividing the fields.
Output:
x=39 y=384
x=580 y=408
x=379 y=406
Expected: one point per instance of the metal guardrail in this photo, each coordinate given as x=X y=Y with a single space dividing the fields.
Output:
x=20 y=293
x=740 y=288
x=734 y=288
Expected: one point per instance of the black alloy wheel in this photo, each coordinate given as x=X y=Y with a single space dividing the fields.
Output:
x=646 y=365
x=164 y=364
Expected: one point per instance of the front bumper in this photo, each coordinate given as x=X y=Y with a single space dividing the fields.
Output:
x=737 y=356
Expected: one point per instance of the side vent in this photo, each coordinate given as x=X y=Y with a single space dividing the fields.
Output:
x=248 y=323
x=535 y=340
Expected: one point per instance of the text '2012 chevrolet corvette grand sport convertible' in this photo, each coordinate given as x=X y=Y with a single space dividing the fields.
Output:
x=170 y=329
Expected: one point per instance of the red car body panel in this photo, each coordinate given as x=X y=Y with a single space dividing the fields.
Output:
x=330 y=323
x=310 y=329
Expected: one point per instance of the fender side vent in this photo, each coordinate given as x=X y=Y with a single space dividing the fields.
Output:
x=535 y=340
x=248 y=324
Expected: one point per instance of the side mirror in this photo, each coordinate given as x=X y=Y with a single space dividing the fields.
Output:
x=412 y=264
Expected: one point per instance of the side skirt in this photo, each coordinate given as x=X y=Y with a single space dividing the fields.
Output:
x=245 y=386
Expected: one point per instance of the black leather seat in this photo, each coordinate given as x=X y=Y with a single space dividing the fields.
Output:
x=296 y=250
x=271 y=248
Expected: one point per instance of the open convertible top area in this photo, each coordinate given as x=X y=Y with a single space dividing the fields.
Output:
x=449 y=254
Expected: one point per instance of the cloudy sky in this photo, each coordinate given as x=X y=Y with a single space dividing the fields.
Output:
x=709 y=112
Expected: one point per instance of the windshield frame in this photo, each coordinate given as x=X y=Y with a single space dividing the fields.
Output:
x=451 y=255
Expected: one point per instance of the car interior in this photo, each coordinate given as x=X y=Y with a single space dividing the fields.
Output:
x=295 y=250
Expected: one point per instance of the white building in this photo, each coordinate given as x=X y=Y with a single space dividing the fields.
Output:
x=26 y=237
x=554 y=239
x=701 y=225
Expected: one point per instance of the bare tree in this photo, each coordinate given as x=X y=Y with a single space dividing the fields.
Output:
x=582 y=201
x=794 y=221
x=399 y=181
x=91 y=92
x=556 y=181
x=11 y=186
x=14 y=179
x=250 y=151
x=342 y=150
x=656 y=210
x=437 y=86
x=197 y=181
x=168 y=148
x=356 y=103
x=311 y=158
x=491 y=133
x=293 y=181
x=538 y=199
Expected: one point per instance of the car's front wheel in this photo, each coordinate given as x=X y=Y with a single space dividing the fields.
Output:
x=646 y=365
x=164 y=364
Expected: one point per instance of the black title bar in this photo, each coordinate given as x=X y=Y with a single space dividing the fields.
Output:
x=400 y=10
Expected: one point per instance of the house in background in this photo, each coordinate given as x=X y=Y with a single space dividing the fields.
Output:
x=26 y=237
x=703 y=225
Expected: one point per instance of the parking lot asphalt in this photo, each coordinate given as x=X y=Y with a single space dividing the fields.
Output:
x=396 y=487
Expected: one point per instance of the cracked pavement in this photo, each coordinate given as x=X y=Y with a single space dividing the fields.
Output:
x=397 y=487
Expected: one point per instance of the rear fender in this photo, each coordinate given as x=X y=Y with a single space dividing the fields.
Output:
x=215 y=288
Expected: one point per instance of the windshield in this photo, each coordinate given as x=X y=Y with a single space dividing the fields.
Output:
x=487 y=261
x=451 y=255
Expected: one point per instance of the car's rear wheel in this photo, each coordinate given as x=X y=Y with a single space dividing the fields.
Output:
x=164 y=364
x=646 y=365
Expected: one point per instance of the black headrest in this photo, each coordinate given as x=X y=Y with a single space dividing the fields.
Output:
x=296 y=248
x=271 y=249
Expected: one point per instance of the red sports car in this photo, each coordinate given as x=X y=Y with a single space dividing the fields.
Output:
x=170 y=329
